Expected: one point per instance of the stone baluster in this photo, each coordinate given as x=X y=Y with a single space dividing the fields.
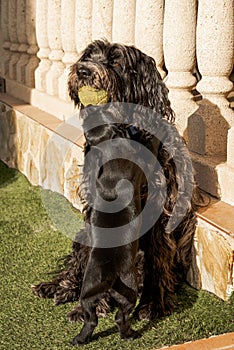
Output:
x=102 y=16
x=42 y=39
x=149 y=30
x=6 y=38
x=55 y=44
x=83 y=24
x=123 y=29
x=22 y=38
x=215 y=38
x=68 y=29
x=179 y=41
x=14 y=46
x=32 y=42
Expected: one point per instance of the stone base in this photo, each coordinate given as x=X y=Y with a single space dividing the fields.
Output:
x=49 y=152
x=215 y=176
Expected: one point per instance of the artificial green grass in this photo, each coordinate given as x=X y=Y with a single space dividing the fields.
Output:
x=30 y=247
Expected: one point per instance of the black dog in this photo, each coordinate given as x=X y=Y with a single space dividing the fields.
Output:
x=164 y=254
x=113 y=235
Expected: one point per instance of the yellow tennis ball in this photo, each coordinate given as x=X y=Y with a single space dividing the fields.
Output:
x=91 y=96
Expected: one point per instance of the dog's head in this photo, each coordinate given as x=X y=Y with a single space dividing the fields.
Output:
x=119 y=73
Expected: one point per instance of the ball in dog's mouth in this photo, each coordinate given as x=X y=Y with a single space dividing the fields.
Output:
x=89 y=95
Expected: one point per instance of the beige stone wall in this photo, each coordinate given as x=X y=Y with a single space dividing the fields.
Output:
x=48 y=151
x=213 y=263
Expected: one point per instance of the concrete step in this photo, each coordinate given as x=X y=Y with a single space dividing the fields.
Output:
x=220 y=342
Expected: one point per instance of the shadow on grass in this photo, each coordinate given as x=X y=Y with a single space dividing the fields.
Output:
x=186 y=298
x=7 y=175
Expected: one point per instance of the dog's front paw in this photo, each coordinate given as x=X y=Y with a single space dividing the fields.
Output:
x=76 y=315
x=79 y=340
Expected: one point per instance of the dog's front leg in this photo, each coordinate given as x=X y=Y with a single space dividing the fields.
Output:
x=90 y=322
x=94 y=288
x=91 y=295
x=125 y=293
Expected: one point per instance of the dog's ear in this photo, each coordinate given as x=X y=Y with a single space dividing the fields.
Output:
x=157 y=92
x=73 y=85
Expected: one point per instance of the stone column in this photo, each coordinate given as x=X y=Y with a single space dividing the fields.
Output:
x=179 y=53
x=6 y=38
x=215 y=49
x=22 y=37
x=42 y=39
x=55 y=44
x=149 y=30
x=32 y=42
x=83 y=24
x=14 y=46
x=123 y=29
x=68 y=29
x=215 y=38
x=102 y=15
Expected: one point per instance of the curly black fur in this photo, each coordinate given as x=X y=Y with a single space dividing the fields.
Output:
x=164 y=255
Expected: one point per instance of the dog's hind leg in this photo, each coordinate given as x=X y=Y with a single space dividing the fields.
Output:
x=158 y=294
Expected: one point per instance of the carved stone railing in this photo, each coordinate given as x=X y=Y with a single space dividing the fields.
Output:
x=192 y=43
x=188 y=39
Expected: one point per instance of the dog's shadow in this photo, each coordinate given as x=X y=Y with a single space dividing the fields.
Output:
x=105 y=333
x=186 y=297
x=114 y=330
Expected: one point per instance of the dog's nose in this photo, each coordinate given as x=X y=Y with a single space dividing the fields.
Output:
x=83 y=72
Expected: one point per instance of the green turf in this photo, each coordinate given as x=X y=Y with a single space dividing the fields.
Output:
x=30 y=247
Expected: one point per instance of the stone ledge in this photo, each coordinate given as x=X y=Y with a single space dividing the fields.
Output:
x=219 y=215
x=48 y=103
x=49 y=152
x=70 y=132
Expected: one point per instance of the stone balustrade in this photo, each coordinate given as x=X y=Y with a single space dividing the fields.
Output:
x=191 y=41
